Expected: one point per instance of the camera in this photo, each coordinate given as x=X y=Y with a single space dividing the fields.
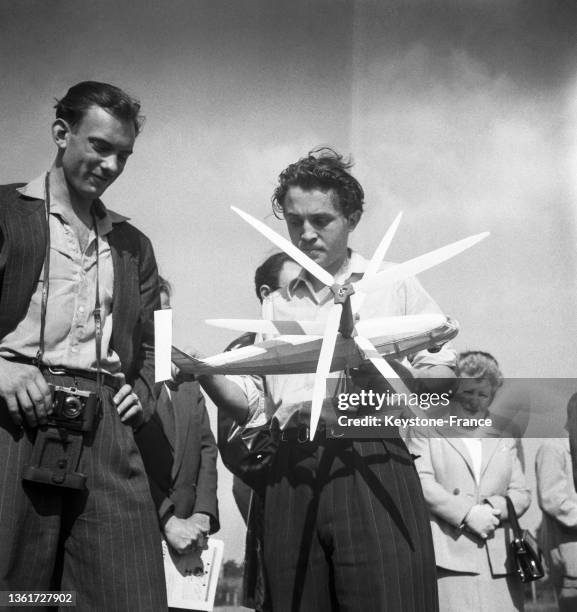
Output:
x=58 y=445
x=73 y=409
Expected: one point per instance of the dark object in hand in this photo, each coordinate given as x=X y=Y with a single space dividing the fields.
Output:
x=58 y=445
x=73 y=409
x=527 y=558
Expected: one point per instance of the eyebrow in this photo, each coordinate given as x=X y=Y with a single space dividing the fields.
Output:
x=103 y=141
x=316 y=215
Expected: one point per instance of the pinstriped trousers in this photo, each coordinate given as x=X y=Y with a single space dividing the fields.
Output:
x=347 y=529
x=102 y=543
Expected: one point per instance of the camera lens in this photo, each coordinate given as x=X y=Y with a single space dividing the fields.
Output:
x=72 y=407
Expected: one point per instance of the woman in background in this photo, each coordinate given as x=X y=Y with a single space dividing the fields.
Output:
x=465 y=479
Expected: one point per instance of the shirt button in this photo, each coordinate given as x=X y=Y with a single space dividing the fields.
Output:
x=456 y=491
x=81 y=309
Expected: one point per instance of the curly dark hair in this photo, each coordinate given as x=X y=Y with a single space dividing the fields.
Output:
x=80 y=97
x=323 y=168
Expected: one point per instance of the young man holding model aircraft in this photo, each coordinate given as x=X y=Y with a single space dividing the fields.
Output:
x=345 y=523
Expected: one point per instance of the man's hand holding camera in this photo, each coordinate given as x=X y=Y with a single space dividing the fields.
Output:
x=29 y=399
x=25 y=392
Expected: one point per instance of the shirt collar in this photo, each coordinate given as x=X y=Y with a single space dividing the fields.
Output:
x=104 y=218
x=353 y=268
x=34 y=189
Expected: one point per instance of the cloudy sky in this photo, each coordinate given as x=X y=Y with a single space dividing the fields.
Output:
x=463 y=114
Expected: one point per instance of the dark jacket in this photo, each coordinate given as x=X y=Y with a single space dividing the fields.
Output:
x=179 y=454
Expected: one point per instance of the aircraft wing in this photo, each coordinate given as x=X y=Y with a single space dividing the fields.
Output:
x=263 y=326
x=217 y=364
x=400 y=326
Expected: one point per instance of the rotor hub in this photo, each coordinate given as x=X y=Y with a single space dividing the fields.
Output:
x=342 y=292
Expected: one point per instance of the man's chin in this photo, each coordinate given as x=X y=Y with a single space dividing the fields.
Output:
x=318 y=257
x=93 y=191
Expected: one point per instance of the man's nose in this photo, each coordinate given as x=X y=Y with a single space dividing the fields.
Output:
x=308 y=233
x=110 y=164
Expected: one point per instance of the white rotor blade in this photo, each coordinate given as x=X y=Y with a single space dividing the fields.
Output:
x=371 y=353
x=418 y=264
x=324 y=365
x=377 y=259
x=288 y=247
x=264 y=326
x=382 y=249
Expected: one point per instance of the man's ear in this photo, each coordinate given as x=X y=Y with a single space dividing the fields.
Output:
x=60 y=133
x=354 y=219
x=264 y=291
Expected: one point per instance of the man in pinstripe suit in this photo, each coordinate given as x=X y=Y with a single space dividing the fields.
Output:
x=345 y=522
x=78 y=289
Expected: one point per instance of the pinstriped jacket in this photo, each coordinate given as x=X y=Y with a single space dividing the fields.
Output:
x=136 y=294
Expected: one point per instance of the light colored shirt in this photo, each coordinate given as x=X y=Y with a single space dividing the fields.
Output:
x=555 y=488
x=290 y=394
x=558 y=501
x=70 y=328
x=474 y=447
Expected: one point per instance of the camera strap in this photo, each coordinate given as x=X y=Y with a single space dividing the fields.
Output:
x=97 y=311
x=45 y=288
x=46 y=276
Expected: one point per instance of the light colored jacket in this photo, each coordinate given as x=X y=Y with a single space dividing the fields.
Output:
x=558 y=500
x=451 y=490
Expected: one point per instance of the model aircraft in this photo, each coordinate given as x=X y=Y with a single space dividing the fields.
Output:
x=343 y=340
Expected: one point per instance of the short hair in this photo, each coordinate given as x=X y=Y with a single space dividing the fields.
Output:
x=268 y=272
x=479 y=364
x=325 y=169
x=164 y=286
x=80 y=97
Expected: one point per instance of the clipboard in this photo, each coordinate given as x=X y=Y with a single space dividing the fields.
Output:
x=191 y=579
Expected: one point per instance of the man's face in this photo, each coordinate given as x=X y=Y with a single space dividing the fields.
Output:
x=95 y=151
x=289 y=271
x=474 y=394
x=317 y=227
